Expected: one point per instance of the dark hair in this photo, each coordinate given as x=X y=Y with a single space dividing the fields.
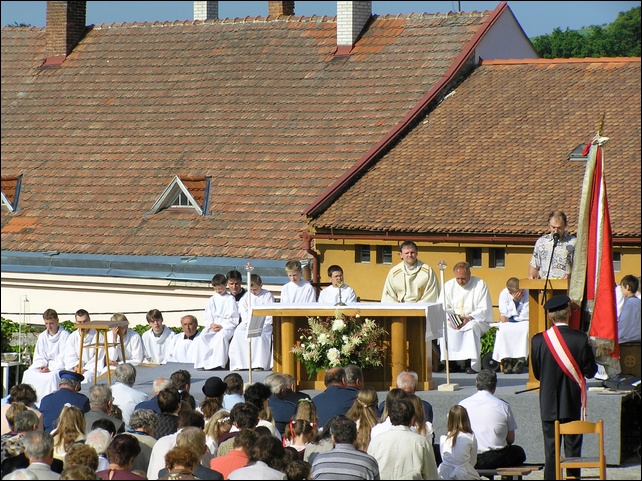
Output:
x=219 y=280
x=234 y=383
x=408 y=244
x=269 y=450
x=234 y=274
x=181 y=455
x=256 y=394
x=82 y=313
x=486 y=380
x=49 y=315
x=82 y=454
x=191 y=419
x=632 y=282
x=334 y=268
x=392 y=396
x=558 y=214
x=122 y=449
x=344 y=430
x=246 y=439
x=23 y=393
x=327 y=427
x=106 y=424
x=245 y=415
x=79 y=472
x=298 y=469
x=168 y=400
x=401 y=412
x=334 y=374
x=180 y=378
x=154 y=314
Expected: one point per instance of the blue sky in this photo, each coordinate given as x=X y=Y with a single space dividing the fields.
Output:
x=536 y=18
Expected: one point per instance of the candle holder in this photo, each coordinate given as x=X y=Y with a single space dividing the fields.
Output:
x=340 y=303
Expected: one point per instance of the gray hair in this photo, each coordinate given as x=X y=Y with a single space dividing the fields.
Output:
x=99 y=439
x=486 y=380
x=407 y=380
x=72 y=383
x=25 y=421
x=276 y=382
x=144 y=420
x=38 y=444
x=100 y=395
x=21 y=474
x=160 y=384
x=353 y=374
x=126 y=373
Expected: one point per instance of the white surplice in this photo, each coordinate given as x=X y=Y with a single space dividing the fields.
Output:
x=512 y=339
x=211 y=348
x=180 y=349
x=298 y=292
x=330 y=295
x=134 y=351
x=471 y=300
x=48 y=353
x=156 y=347
x=89 y=355
x=261 y=345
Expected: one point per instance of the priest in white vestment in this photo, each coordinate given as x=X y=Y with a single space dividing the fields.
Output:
x=180 y=347
x=90 y=353
x=42 y=375
x=221 y=318
x=262 y=344
x=411 y=280
x=467 y=296
x=134 y=352
x=512 y=338
x=157 y=339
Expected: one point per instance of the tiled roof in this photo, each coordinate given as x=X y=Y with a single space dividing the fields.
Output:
x=492 y=158
x=261 y=106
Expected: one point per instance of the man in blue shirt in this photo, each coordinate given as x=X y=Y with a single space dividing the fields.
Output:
x=68 y=393
x=337 y=397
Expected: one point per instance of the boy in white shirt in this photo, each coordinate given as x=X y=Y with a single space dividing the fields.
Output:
x=262 y=344
x=298 y=290
x=221 y=318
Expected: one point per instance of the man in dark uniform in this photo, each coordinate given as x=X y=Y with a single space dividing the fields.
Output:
x=68 y=393
x=560 y=396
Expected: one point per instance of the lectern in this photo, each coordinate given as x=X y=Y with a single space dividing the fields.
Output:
x=537 y=318
x=411 y=327
x=101 y=327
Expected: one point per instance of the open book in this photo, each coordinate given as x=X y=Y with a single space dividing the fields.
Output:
x=455 y=319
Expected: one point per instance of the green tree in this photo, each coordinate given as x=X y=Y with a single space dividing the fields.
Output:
x=619 y=39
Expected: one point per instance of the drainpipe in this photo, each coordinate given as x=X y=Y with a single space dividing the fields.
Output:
x=307 y=240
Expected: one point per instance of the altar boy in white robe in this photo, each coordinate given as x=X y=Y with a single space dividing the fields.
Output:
x=157 y=339
x=134 y=351
x=512 y=339
x=89 y=355
x=221 y=319
x=42 y=375
x=467 y=296
x=337 y=291
x=261 y=345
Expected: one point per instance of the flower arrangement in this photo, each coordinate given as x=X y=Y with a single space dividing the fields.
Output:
x=339 y=341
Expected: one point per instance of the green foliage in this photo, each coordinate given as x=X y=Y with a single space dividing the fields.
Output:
x=68 y=325
x=141 y=328
x=619 y=39
x=488 y=341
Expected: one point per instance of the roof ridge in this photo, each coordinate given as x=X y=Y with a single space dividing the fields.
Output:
x=540 y=61
x=219 y=21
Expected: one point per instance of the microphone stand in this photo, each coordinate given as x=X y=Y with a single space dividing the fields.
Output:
x=550 y=263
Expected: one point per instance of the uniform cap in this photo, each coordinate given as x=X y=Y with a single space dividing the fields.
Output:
x=72 y=375
x=214 y=387
x=557 y=303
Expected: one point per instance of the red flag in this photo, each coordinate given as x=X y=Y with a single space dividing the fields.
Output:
x=593 y=279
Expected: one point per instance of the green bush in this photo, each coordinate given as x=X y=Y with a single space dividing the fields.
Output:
x=488 y=341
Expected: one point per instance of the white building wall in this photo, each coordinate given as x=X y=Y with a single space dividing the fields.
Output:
x=505 y=40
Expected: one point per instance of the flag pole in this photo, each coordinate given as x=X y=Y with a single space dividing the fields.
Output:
x=445 y=387
x=249 y=268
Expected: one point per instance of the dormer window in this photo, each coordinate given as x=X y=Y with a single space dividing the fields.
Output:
x=185 y=193
x=576 y=155
x=11 y=192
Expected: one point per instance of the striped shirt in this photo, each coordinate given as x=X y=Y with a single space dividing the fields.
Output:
x=345 y=461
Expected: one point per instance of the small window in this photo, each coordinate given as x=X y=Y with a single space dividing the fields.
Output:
x=617 y=261
x=474 y=256
x=576 y=155
x=384 y=254
x=181 y=200
x=497 y=258
x=362 y=254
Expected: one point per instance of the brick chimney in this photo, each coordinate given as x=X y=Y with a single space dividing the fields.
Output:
x=352 y=17
x=205 y=10
x=276 y=9
x=65 y=28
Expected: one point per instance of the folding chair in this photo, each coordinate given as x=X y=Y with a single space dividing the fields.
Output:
x=580 y=427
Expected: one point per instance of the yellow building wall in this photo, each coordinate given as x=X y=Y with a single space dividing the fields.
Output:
x=367 y=278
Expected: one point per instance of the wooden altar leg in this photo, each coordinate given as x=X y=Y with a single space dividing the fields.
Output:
x=398 y=351
x=106 y=342
x=82 y=347
x=288 y=333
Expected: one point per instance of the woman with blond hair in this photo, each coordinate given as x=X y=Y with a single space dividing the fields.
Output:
x=71 y=429
x=218 y=424
x=364 y=413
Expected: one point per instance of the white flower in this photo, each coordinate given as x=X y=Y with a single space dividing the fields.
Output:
x=333 y=356
x=323 y=338
x=338 y=325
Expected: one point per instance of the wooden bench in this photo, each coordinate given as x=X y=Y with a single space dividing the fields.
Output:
x=513 y=472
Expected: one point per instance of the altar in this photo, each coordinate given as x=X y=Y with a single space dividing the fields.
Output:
x=411 y=328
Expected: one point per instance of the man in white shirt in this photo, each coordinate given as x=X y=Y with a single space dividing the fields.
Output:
x=72 y=351
x=338 y=293
x=411 y=280
x=468 y=297
x=125 y=396
x=493 y=425
x=43 y=375
x=156 y=341
x=221 y=318
x=180 y=348
x=512 y=339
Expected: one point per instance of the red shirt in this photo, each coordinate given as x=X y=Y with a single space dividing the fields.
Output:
x=235 y=459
